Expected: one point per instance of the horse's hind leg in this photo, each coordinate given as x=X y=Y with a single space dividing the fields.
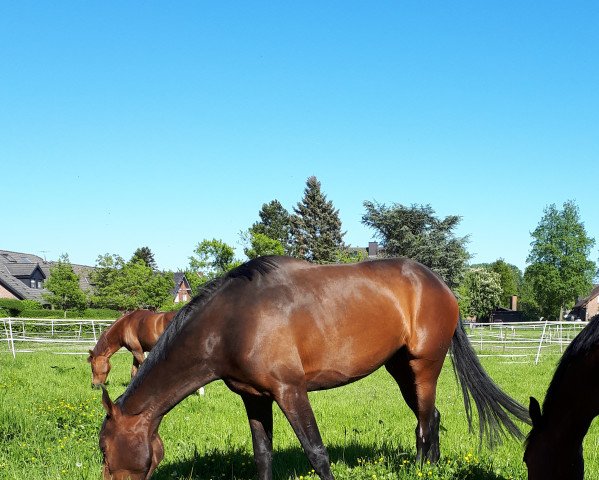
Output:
x=417 y=380
x=295 y=405
x=138 y=359
x=259 y=411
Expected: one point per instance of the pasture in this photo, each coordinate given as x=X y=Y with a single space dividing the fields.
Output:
x=50 y=418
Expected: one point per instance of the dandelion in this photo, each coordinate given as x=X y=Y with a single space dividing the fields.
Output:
x=78 y=464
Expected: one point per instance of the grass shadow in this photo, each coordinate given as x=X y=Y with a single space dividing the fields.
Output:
x=238 y=464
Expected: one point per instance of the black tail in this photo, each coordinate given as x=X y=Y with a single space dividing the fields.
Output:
x=492 y=404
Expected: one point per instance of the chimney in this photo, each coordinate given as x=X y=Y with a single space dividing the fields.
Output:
x=514 y=303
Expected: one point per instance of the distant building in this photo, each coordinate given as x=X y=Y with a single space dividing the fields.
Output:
x=370 y=252
x=182 y=290
x=586 y=308
x=22 y=276
x=512 y=314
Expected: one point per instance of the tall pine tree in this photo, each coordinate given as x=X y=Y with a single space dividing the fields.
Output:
x=316 y=227
x=274 y=223
x=145 y=255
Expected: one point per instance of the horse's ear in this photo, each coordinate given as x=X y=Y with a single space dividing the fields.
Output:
x=534 y=409
x=106 y=402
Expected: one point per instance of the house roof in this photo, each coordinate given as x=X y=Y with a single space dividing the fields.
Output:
x=18 y=288
x=83 y=272
x=585 y=301
x=22 y=269
x=18 y=264
x=179 y=279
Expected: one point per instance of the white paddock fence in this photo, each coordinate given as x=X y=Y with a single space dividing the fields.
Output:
x=514 y=342
x=62 y=336
x=522 y=341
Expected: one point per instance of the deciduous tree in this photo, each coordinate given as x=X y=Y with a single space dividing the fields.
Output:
x=480 y=293
x=559 y=269
x=415 y=232
x=63 y=284
x=129 y=285
x=213 y=258
x=510 y=279
x=261 y=244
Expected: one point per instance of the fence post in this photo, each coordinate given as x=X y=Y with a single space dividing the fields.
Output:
x=11 y=340
x=541 y=343
x=94 y=330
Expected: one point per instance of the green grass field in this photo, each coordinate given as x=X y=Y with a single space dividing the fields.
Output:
x=50 y=418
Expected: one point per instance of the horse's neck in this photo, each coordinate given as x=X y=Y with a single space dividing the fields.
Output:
x=165 y=379
x=109 y=342
x=570 y=417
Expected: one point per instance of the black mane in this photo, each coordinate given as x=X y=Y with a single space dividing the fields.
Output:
x=246 y=271
x=585 y=342
x=582 y=345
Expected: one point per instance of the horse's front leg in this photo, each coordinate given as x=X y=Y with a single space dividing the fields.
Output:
x=259 y=411
x=295 y=405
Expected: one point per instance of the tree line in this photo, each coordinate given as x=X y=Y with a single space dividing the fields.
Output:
x=559 y=269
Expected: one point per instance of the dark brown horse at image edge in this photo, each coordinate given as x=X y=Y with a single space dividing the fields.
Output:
x=275 y=328
x=554 y=445
x=137 y=331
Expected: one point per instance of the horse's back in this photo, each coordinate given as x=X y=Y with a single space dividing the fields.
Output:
x=145 y=327
x=337 y=323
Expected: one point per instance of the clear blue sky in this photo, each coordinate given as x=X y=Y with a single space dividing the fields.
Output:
x=160 y=124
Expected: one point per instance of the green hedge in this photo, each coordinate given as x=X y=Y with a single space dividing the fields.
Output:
x=90 y=313
x=96 y=313
x=41 y=313
x=16 y=307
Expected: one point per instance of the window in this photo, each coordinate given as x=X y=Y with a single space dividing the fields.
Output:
x=40 y=284
x=32 y=282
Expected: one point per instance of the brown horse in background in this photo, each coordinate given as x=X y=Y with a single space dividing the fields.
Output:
x=554 y=445
x=275 y=328
x=137 y=331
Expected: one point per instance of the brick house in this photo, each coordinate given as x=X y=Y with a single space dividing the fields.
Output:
x=182 y=290
x=588 y=307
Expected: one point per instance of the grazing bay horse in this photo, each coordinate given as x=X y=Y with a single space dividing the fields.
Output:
x=275 y=328
x=137 y=331
x=554 y=445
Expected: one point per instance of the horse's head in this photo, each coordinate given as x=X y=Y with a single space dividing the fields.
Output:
x=131 y=447
x=100 y=368
x=548 y=456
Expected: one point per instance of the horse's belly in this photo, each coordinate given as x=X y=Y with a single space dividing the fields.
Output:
x=325 y=379
x=336 y=364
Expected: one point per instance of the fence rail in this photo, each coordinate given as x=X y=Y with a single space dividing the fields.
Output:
x=522 y=340
x=25 y=335
x=517 y=341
